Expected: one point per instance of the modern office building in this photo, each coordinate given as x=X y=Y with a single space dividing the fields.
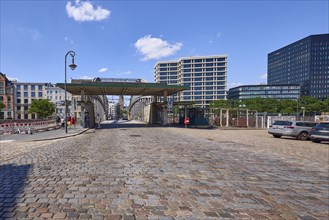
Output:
x=279 y=92
x=205 y=75
x=25 y=93
x=6 y=97
x=304 y=62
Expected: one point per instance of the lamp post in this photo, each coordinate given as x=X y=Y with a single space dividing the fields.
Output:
x=72 y=66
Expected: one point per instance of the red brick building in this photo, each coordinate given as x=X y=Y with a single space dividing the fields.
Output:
x=6 y=97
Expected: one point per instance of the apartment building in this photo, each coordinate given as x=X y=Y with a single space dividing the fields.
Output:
x=205 y=75
x=25 y=93
x=6 y=97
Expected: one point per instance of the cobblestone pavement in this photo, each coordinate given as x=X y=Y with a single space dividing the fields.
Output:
x=131 y=172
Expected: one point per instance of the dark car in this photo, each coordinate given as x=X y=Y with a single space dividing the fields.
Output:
x=320 y=133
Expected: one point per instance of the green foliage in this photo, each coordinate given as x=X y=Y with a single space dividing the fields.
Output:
x=270 y=105
x=2 y=105
x=42 y=107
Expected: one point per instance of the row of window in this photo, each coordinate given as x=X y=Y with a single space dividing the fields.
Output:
x=8 y=91
x=25 y=87
x=203 y=93
x=33 y=94
x=204 y=60
x=210 y=97
x=203 y=79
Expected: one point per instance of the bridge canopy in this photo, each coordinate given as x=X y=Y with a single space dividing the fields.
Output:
x=121 y=88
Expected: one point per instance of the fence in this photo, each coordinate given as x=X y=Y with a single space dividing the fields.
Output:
x=26 y=127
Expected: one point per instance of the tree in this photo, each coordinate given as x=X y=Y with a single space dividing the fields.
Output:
x=42 y=107
x=2 y=105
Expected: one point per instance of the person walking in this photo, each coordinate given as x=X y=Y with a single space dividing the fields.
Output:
x=72 y=122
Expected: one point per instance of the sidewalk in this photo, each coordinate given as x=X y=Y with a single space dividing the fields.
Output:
x=44 y=135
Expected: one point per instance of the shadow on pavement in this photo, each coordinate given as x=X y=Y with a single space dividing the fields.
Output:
x=12 y=181
x=125 y=124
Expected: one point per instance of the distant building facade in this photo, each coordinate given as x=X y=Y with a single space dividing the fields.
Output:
x=7 y=98
x=279 y=92
x=304 y=62
x=205 y=75
x=25 y=93
x=56 y=95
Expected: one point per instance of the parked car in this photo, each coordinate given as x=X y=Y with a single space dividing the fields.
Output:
x=297 y=129
x=320 y=133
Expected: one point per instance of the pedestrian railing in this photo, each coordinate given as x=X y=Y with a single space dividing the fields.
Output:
x=27 y=127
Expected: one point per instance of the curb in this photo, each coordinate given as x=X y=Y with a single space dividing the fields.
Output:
x=60 y=137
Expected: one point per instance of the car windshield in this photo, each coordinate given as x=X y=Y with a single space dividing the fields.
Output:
x=285 y=123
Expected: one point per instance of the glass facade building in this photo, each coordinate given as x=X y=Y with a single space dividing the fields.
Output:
x=279 y=92
x=205 y=75
x=304 y=62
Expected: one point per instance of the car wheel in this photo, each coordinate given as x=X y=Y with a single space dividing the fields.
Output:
x=302 y=136
x=276 y=135
x=316 y=141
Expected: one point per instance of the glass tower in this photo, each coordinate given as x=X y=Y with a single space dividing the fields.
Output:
x=304 y=62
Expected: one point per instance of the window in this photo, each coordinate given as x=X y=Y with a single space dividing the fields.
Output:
x=1 y=84
x=18 y=101
x=26 y=94
x=26 y=101
x=25 y=87
x=1 y=91
x=9 y=91
x=18 y=94
x=26 y=116
x=40 y=94
x=8 y=98
x=32 y=94
x=40 y=87
x=18 y=87
x=32 y=87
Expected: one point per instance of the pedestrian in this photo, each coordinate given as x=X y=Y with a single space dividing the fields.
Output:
x=72 y=122
x=58 y=120
x=62 y=122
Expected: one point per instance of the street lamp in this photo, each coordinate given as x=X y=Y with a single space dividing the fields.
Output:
x=72 y=66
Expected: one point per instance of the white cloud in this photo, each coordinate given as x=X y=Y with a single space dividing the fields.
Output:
x=263 y=76
x=155 y=48
x=86 y=77
x=218 y=34
x=85 y=11
x=102 y=70
x=232 y=85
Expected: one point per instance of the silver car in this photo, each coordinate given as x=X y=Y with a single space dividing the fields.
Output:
x=297 y=129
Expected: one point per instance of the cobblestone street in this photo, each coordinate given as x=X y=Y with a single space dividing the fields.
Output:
x=131 y=172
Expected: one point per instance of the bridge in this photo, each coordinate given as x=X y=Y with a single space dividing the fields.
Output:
x=93 y=95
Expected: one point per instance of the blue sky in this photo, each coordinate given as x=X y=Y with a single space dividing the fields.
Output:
x=124 y=39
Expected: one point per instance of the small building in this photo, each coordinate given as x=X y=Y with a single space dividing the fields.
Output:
x=279 y=92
